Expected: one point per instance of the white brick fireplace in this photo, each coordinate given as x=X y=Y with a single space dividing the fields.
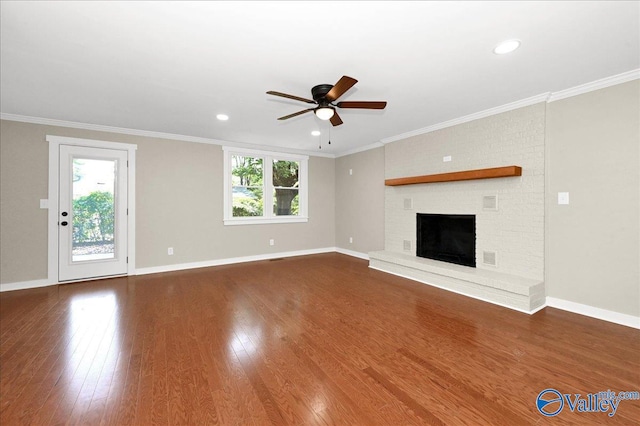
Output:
x=512 y=234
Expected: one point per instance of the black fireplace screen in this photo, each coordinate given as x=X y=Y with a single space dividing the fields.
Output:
x=448 y=238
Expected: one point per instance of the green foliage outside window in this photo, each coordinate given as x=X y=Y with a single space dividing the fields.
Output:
x=93 y=218
x=286 y=181
x=247 y=176
x=247 y=186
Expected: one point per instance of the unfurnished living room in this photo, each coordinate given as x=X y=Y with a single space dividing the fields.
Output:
x=319 y=213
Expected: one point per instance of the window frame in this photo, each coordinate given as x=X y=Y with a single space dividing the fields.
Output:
x=268 y=215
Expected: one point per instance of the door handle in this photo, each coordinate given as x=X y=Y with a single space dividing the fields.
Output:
x=64 y=223
x=64 y=213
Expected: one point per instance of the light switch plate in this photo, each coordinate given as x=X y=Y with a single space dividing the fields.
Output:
x=44 y=204
x=563 y=198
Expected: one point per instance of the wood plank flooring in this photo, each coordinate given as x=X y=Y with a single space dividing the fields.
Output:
x=300 y=341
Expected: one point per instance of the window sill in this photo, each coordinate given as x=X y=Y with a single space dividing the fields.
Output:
x=264 y=221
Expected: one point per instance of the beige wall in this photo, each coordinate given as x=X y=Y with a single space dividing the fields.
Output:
x=178 y=200
x=360 y=201
x=24 y=177
x=593 y=244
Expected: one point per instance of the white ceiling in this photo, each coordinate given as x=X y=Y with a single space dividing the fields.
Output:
x=171 y=67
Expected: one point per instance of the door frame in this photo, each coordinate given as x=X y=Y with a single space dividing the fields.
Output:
x=54 y=168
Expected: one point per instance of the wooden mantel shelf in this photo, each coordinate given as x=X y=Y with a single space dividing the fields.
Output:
x=495 y=172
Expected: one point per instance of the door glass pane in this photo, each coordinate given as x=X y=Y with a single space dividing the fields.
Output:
x=93 y=209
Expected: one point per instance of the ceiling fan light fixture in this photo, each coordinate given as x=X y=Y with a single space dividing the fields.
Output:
x=324 y=113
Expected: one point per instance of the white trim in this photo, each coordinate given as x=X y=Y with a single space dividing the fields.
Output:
x=283 y=155
x=593 y=312
x=459 y=292
x=471 y=117
x=148 y=133
x=268 y=216
x=360 y=149
x=552 y=302
x=545 y=97
x=182 y=266
x=352 y=253
x=52 y=231
x=93 y=143
x=231 y=260
x=265 y=220
x=54 y=148
x=23 y=285
x=595 y=85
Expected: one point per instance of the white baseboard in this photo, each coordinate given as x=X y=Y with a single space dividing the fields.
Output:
x=552 y=302
x=230 y=261
x=23 y=285
x=593 y=312
x=352 y=253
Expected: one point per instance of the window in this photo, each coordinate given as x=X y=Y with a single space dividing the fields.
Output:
x=264 y=187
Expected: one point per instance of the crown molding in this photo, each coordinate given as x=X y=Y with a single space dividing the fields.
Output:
x=152 y=134
x=544 y=97
x=595 y=85
x=359 y=149
x=471 y=117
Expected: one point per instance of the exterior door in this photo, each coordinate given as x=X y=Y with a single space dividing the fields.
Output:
x=92 y=213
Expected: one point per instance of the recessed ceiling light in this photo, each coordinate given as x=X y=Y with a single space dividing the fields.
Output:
x=506 y=47
x=315 y=133
x=222 y=117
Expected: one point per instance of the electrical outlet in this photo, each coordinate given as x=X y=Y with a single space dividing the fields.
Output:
x=350 y=172
x=272 y=242
x=170 y=251
x=446 y=158
x=350 y=240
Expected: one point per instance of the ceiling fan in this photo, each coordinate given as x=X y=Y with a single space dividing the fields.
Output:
x=324 y=96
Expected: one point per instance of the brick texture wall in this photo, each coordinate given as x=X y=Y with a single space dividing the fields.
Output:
x=515 y=232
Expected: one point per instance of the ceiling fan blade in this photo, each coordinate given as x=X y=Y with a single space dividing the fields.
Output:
x=295 y=98
x=344 y=84
x=295 y=114
x=335 y=119
x=362 y=104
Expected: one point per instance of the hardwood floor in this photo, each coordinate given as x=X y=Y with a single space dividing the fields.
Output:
x=310 y=340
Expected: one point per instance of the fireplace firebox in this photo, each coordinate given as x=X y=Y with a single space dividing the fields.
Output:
x=446 y=237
